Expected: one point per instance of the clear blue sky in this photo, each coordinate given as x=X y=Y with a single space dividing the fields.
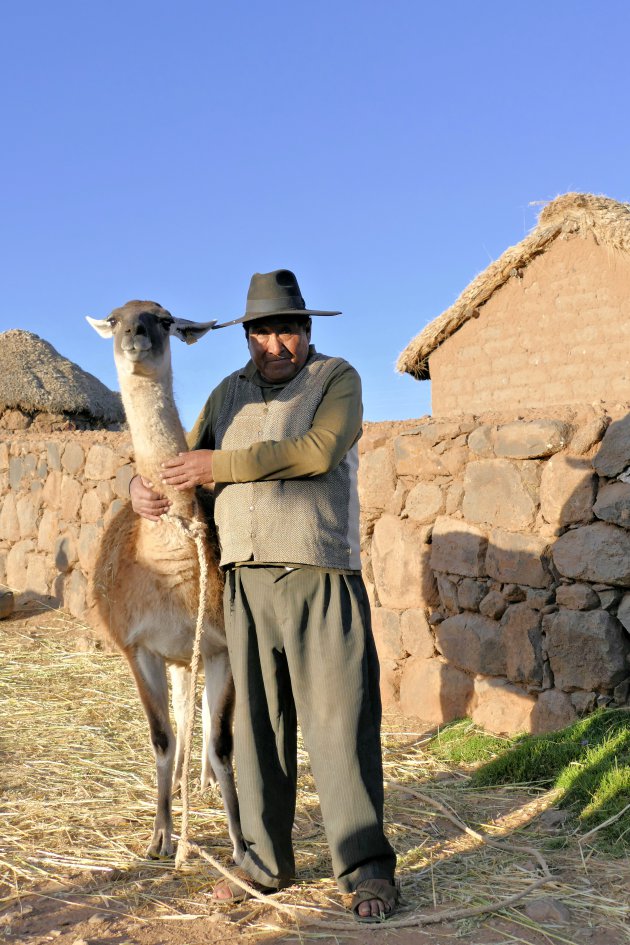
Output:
x=385 y=151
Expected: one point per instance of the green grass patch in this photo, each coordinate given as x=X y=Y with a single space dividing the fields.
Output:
x=464 y=743
x=589 y=762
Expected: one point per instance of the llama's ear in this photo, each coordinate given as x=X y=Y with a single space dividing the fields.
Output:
x=188 y=331
x=101 y=325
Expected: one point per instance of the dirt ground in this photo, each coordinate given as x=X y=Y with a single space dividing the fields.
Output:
x=107 y=893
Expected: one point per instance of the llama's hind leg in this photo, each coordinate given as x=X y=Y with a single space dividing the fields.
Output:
x=150 y=675
x=180 y=700
x=208 y=777
x=220 y=695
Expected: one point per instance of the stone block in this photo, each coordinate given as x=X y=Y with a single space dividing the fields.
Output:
x=400 y=561
x=88 y=545
x=623 y=612
x=447 y=590
x=65 y=552
x=538 y=599
x=389 y=683
x=52 y=489
x=101 y=463
x=17 y=472
x=53 y=455
x=70 y=495
x=599 y=553
x=608 y=597
x=377 y=479
x=38 y=575
x=494 y=493
x=501 y=707
x=530 y=439
x=424 y=502
x=125 y=474
x=586 y=649
x=577 y=597
x=72 y=458
x=481 y=441
x=4 y=456
x=587 y=436
x=473 y=643
x=583 y=702
x=458 y=547
x=554 y=710
x=17 y=560
x=433 y=691
x=567 y=490
x=417 y=639
x=613 y=504
x=613 y=456
x=27 y=508
x=9 y=521
x=454 y=498
x=48 y=531
x=74 y=594
x=91 y=508
x=621 y=693
x=386 y=630
x=521 y=639
x=454 y=460
x=470 y=593
x=413 y=456
x=516 y=558
x=493 y=605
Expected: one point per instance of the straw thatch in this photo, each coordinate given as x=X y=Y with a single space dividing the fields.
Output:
x=606 y=220
x=34 y=378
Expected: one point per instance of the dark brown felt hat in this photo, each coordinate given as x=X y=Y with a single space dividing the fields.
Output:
x=274 y=293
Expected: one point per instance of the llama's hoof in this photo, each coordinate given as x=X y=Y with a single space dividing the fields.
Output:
x=160 y=848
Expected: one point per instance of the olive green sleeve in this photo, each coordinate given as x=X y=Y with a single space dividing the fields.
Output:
x=336 y=427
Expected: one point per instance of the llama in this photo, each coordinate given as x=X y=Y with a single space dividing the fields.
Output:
x=145 y=586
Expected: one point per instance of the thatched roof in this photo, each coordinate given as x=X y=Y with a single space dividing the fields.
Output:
x=608 y=221
x=34 y=377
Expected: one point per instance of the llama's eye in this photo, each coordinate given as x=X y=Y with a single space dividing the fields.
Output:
x=166 y=323
x=112 y=322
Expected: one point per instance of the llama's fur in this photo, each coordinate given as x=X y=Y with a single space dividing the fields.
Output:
x=145 y=586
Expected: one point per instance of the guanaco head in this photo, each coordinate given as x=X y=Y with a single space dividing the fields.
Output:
x=141 y=333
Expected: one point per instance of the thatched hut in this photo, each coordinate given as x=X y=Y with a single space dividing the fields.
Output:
x=41 y=389
x=545 y=324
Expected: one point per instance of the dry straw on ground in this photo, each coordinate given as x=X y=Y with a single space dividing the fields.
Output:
x=78 y=803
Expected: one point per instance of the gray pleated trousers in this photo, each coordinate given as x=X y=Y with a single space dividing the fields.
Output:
x=301 y=647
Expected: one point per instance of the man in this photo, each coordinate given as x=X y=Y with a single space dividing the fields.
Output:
x=279 y=441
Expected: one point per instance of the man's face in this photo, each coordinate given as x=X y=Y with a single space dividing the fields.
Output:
x=279 y=347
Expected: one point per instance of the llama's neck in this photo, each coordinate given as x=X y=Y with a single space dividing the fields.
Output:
x=156 y=432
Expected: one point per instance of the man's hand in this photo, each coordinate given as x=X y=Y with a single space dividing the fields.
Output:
x=188 y=470
x=146 y=502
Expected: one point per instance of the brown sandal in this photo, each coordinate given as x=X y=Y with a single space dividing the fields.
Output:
x=236 y=892
x=385 y=890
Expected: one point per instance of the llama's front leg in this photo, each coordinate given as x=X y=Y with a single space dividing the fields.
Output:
x=180 y=696
x=150 y=675
x=220 y=695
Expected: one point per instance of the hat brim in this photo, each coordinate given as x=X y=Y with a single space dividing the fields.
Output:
x=258 y=317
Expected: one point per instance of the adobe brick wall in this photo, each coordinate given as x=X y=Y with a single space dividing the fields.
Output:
x=557 y=333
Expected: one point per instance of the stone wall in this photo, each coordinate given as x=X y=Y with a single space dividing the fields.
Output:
x=57 y=494
x=553 y=334
x=497 y=555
